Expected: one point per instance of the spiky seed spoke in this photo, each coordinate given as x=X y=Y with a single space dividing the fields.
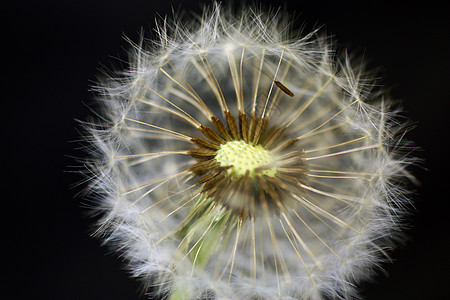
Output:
x=235 y=77
x=205 y=232
x=166 y=198
x=151 y=190
x=196 y=224
x=150 y=182
x=192 y=92
x=324 y=213
x=296 y=249
x=344 y=198
x=230 y=228
x=277 y=254
x=281 y=87
x=307 y=139
x=179 y=205
x=302 y=242
x=210 y=83
x=327 y=121
x=362 y=148
x=170 y=111
x=233 y=253
x=195 y=122
x=151 y=134
x=310 y=119
x=343 y=172
x=158 y=154
x=317 y=236
x=338 y=234
x=256 y=83
x=199 y=199
x=296 y=234
x=252 y=220
x=338 y=177
x=160 y=128
x=332 y=186
x=188 y=98
x=263 y=114
x=338 y=145
x=241 y=104
x=205 y=59
x=194 y=98
x=308 y=103
x=194 y=261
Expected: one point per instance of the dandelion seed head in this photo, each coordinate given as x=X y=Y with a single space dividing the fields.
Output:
x=235 y=162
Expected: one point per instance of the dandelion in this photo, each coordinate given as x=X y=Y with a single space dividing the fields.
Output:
x=235 y=162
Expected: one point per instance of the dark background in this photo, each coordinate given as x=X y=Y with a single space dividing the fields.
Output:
x=53 y=52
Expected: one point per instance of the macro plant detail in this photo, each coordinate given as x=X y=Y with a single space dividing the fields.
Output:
x=235 y=162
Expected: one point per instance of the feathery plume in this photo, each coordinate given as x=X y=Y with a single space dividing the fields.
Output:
x=234 y=161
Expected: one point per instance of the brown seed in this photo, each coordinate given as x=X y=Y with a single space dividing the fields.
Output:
x=277 y=83
x=231 y=121
x=284 y=88
x=204 y=167
x=243 y=124
x=202 y=153
x=211 y=134
x=218 y=124
x=205 y=144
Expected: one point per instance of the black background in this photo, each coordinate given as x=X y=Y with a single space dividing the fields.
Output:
x=53 y=52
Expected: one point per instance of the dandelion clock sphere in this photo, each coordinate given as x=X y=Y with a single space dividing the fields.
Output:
x=233 y=161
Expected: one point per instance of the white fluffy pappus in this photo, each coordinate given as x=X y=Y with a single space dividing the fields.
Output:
x=233 y=161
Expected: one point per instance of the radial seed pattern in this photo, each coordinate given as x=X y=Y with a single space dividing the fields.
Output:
x=240 y=165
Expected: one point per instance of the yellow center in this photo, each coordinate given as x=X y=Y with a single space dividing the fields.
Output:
x=244 y=157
